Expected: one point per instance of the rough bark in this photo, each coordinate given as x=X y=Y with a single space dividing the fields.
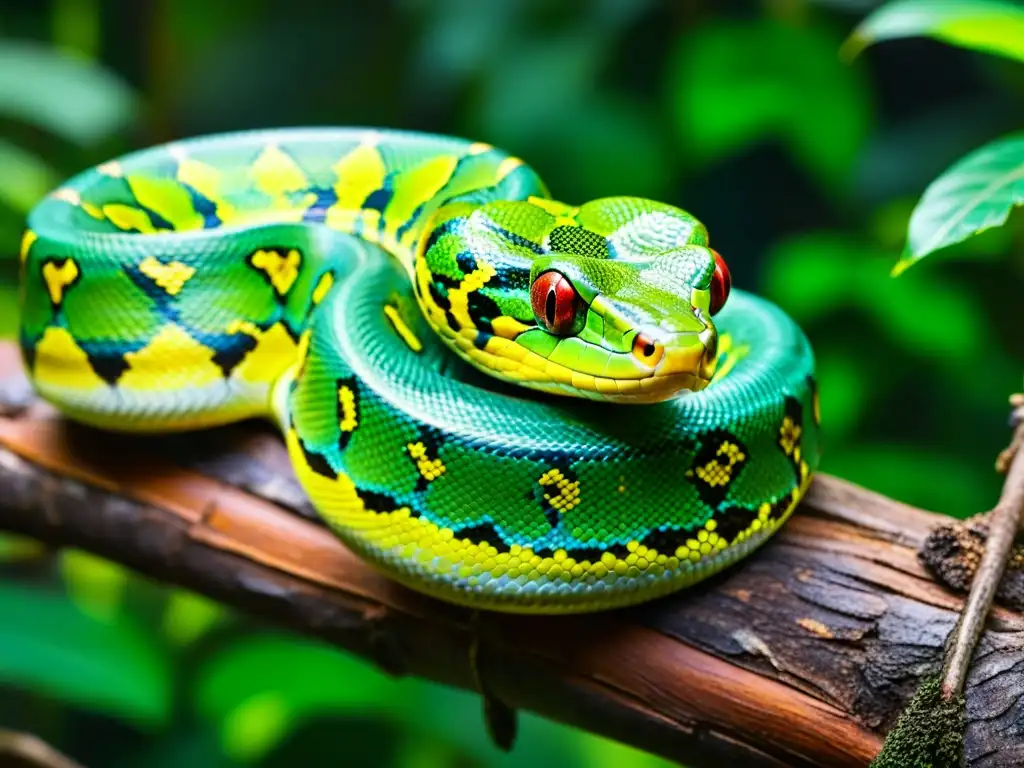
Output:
x=802 y=655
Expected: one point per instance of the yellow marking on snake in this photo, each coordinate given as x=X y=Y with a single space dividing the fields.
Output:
x=173 y=359
x=208 y=182
x=429 y=468
x=282 y=271
x=789 y=437
x=360 y=173
x=324 y=284
x=508 y=327
x=717 y=473
x=731 y=353
x=403 y=330
x=564 y=215
x=278 y=176
x=506 y=167
x=418 y=186
x=347 y=403
x=59 y=361
x=171 y=277
x=274 y=351
x=59 y=279
x=125 y=217
x=459 y=296
x=562 y=494
x=168 y=199
x=27 y=241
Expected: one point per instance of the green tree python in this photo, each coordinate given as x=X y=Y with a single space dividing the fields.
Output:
x=498 y=399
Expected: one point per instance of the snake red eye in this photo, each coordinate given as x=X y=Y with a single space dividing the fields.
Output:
x=721 y=283
x=555 y=302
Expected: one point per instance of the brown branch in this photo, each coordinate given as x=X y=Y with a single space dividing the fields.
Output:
x=803 y=655
x=1003 y=522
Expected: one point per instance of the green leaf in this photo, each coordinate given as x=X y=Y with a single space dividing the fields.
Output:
x=736 y=83
x=975 y=194
x=96 y=585
x=993 y=26
x=189 y=616
x=66 y=95
x=257 y=690
x=18 y=548
x=813 y=275
x=49 y=646
x=952 y=487
x=26 y=178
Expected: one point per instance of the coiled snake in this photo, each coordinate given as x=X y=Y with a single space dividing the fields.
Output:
x=498 y=399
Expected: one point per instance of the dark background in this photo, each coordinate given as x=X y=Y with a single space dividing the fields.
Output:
x=804 y=167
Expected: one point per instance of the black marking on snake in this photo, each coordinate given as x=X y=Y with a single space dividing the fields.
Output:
x=512 y=237
x=432 y=439
x=158 y=221
x=710 y=442
x=482 y=310
x=28 y=350
x=481 y=339
x=572 y=239
x=108 y=367
x=317 y=462
x=483 y=534
x=378 y=199
x=350 y=383
x=732 y=521
x=466 y=261
x=108 y=359
x=229 y=355
x=380 y=502
x=452 y=321
x=203 y=205
x=448 y=227
x=439 y=293
x=317 y=210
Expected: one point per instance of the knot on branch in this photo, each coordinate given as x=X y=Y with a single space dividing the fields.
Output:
x=952 y=553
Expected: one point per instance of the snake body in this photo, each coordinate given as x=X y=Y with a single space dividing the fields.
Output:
x=498 y=399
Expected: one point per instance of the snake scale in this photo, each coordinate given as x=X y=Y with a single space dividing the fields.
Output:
x=498 y=399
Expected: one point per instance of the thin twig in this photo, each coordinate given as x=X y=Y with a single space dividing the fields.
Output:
x=1003 y=522
x=26 y=749
x=1016 y=419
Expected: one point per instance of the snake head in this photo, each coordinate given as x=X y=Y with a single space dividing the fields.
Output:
x=612 y=300
x=628 y=331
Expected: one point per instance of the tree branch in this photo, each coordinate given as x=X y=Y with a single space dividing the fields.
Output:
x=803 y=655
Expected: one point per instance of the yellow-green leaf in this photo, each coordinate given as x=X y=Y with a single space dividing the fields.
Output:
x=975 y=194
x=993 y=26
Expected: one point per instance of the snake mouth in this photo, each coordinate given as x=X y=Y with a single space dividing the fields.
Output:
x=686 y=364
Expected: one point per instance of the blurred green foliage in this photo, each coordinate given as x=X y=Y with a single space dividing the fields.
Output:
x=807 y=169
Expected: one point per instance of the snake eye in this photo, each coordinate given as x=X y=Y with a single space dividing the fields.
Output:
x=555 y=303
x=721 y=282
